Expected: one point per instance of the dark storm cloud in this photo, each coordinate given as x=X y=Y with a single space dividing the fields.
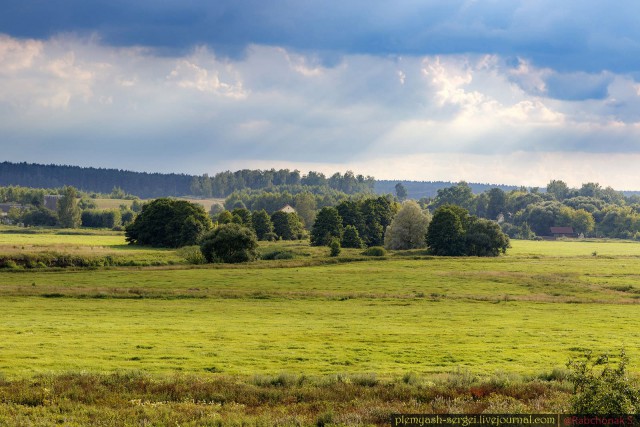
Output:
x=567 y=36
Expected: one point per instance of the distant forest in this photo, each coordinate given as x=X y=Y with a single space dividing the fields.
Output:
x=152 y=185
x=221 y=185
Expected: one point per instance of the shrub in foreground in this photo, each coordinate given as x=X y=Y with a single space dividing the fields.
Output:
x=602 y=389
x=230 y=243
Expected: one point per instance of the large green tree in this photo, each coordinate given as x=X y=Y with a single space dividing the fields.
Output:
x=445 y=234
x=230 y=243
x=168 y=223
x=69 y=214
x=351 y=238
x=485 y=238
x=497 y=203
x=377 y=214
x=408 y=228
x=287 y=225
x=328 y=226
x=262 y=224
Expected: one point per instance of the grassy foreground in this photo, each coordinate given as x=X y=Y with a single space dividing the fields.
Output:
x=306 y=341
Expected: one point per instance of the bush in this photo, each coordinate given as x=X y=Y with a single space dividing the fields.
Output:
x=97 y=218
x=605 y=392
x=230 y=243
x=277 y=254
x=192 y=254
x=334 y=247
x=375 y=251
x=40 y=216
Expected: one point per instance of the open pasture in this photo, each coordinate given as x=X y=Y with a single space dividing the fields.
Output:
x=525 y=313
x=92 y=245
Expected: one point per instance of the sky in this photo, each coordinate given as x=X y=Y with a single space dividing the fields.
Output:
x=497 y=91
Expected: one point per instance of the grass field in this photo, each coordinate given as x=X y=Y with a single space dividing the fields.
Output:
x=523 y=314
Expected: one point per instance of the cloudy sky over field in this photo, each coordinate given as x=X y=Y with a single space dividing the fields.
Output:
x=502 y=91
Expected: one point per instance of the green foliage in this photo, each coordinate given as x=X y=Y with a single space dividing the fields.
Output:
x=136 y=206
x=558 y=189
x=377 y=214
x=408 y=228
x=40 y=216
x=459 y=195
x=262 y=225
x=168 y=223
x=328 y=225
x=68 y=210
x=496 y=204
x=86 y=203
x=287 y=225
x=601 y=389
x=445 y=234
x=401 y=192
x=127 y=216
x=306 y=204
x=334 y=247
x=244 y=216
x=192 y=254
x=224 y=217
x=101 y=218
x=485 y=238
x=452 y=232
x=22 y=195
x=375 y=251
x=230 y=243
x=351 y=238
x=117 y=193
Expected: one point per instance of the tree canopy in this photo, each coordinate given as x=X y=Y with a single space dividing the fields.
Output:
x=168 y=223
x=453 y=232
x=328 y=226
x=230 y=243
x=408 y=229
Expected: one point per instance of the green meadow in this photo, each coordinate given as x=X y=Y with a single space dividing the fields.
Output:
x=526 y=312
x=405 y=315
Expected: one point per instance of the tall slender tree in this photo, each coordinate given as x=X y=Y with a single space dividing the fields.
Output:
x=69 y=214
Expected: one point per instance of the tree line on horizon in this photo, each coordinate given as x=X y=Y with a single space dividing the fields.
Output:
x=154 y=185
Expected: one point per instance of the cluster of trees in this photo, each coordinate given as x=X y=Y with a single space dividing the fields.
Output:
x=171 y=223
x=355 y=223
x=67 y=215
x=279 y=225
x=305 y=203
x=361 y=223
x=453 y=232
x=224 y=183
x=74 y=208
x=524 y=213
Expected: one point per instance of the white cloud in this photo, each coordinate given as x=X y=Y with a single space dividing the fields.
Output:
x=472 y=117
